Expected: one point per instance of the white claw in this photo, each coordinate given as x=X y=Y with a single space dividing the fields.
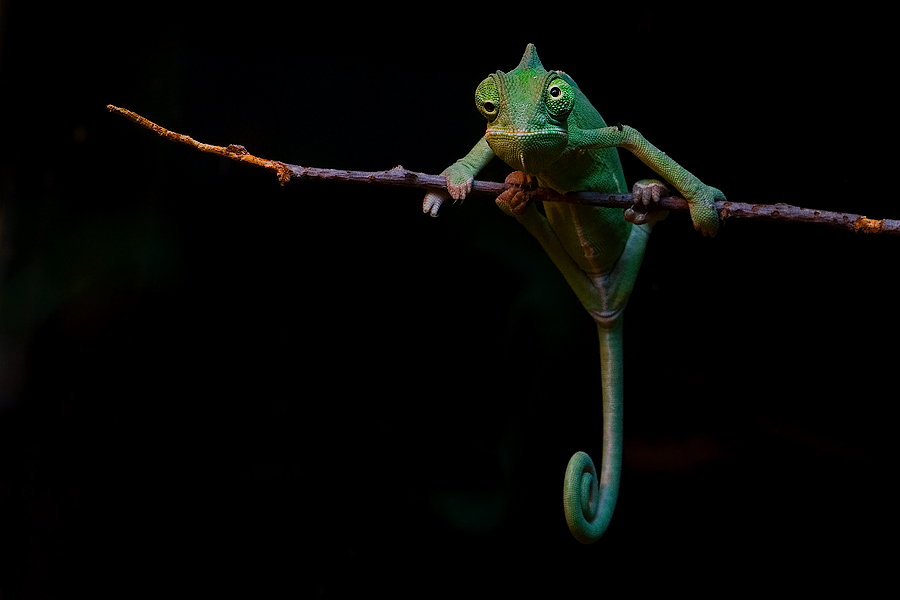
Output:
x=432 y=203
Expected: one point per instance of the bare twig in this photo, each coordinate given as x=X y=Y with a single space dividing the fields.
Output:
x=398 y=176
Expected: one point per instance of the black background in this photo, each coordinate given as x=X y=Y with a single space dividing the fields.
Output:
x=214 y=386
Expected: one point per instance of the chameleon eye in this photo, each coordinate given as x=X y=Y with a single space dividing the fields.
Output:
x=560 y=98
x=487 y=99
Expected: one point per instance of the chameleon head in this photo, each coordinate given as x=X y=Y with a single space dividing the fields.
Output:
x=527 y=111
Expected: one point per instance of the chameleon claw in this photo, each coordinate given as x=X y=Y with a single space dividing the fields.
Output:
x=458 y=191
x=432 y=202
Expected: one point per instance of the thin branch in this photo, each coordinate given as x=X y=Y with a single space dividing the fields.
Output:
x=398 y=176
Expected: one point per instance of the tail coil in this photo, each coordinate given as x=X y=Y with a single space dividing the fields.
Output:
x=589 y=500
x=582 y=500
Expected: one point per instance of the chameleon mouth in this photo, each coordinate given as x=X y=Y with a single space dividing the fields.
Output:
x=549 y=132
x=528 y=150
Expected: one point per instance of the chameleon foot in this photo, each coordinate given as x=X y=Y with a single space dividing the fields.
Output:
x=515 y=199
x=646 y=195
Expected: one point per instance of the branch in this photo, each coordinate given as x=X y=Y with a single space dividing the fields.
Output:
x=398 y=176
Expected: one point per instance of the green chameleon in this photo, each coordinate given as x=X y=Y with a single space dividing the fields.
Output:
x=543 y=126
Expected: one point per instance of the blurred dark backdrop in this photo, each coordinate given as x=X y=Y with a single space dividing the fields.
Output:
x=211 y=385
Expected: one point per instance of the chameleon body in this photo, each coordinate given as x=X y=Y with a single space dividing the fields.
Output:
x=541 y=124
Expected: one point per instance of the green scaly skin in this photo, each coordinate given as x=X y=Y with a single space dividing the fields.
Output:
x=541 y=124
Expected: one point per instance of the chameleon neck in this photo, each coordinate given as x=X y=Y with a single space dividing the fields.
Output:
x=589 y=501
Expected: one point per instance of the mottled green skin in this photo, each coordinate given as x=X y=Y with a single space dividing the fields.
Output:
x=540 y=123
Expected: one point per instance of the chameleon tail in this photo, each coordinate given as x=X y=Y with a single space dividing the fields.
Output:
x=589 y=502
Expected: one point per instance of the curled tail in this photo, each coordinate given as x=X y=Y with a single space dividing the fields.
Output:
x=589 y=501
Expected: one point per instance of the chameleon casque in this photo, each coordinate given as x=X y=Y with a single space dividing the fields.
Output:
x=541 y=124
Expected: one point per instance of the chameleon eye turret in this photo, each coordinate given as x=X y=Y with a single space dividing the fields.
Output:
x=560 y=99
x=487 y=99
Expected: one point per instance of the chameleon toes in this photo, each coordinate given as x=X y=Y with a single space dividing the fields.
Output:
x=516 y=198
x=458 y=191
x=432 y=203
x=647 y=190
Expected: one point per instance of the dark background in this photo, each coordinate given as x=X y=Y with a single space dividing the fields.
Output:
x=214 y=386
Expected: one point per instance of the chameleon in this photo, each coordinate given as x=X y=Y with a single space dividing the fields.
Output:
x=541 y=124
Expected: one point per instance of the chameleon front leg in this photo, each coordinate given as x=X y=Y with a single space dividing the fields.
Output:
x=701 y=197
x=460 y=176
